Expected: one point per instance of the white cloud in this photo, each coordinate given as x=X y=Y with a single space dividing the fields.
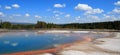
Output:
x=116 y=10
x=106 y=16
x=7 y=7
x=59 y=5
x=16 y=15
x=77 y=18
x=109 y=17
x=55 y=11
x=117 y=3
x=57 y=18
x=93 y=17
x=88 y=9
x=83 y=7
x=56 y=15
x=67 y=16
x=10 y=16
x=58 y=12
x=15 y=6
x=27 y=15
x=2 y=14
x=37 y=16
x=94 y=11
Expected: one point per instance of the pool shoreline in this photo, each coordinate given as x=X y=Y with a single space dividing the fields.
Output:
x=23 y=30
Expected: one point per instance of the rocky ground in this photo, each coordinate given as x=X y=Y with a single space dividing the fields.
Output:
x=101 y=46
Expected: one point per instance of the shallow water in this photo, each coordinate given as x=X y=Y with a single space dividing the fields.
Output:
x=27 y=41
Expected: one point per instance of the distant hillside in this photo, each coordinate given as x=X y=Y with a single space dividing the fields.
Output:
x=44 y=25
x=16 y=23
x=95 y=25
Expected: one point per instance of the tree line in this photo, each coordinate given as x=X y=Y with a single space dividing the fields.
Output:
x=44 y=25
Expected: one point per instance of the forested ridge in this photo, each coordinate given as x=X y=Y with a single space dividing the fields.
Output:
x=43 y=25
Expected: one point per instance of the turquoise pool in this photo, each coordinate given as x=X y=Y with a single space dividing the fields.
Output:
x=26 y=41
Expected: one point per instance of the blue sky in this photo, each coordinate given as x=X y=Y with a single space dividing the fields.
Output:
x=59 y=11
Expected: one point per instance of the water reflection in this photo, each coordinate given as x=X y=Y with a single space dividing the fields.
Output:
x=14 y=44
x=6 y=42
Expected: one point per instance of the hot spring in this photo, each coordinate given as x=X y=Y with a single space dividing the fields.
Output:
x=12 y=42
